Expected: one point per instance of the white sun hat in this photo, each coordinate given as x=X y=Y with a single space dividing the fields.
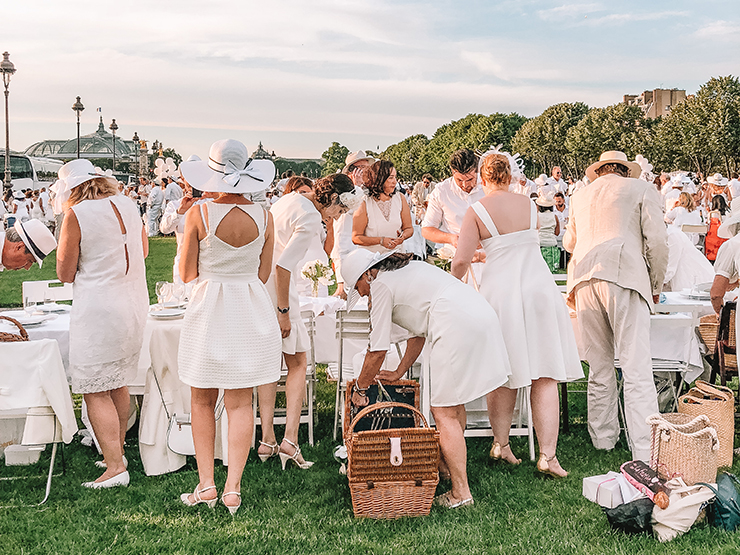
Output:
x=354 y=265
x=18 y=195
x=37 y=238
x=545 y=199
x=541 y=180
x=614 y=157
x=80 y=171
x=717 y=179
x=357 y=156
x=229 y=170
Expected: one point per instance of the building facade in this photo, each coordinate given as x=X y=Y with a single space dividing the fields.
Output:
x=656 y=103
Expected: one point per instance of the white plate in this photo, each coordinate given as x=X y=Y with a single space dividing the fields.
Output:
x=24 y=319
x=696 y=295
x=167 y=313
x=54 y=307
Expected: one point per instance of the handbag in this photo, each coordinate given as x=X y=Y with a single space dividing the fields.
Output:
x=718 y=404
x=724 y=511
x=179 y=429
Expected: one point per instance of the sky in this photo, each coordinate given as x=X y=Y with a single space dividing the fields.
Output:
x=299 y=74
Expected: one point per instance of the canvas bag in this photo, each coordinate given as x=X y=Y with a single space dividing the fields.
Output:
x=685 y=505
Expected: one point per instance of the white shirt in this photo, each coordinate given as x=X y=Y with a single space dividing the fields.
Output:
x=728 y=259
x=671 y=197
x=687 y=266
x=155 y=198
x=343 y=244
x=527 y=189
x=562 y=218
x=734 y=187
x=173 y=192
x=447 y=205
x=560 y=185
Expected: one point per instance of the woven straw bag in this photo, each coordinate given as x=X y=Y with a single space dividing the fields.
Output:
x=22 y=334
x=684 y=447
x=718 y=404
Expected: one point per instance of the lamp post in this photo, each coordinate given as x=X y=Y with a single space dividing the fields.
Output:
x=78 y=107
x=113 y=127
x=7 y=69
x=136 y=151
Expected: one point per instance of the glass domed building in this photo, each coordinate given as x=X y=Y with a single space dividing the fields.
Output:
x=97 y=145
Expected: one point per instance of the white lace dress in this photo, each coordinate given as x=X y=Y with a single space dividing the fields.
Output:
x=384 y=220
x=534 y=319
x=230 y=336
x=110 y=306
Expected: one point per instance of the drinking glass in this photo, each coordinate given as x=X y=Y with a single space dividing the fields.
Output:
x=178 y=290
x=161 y=290
x=29 y=306
x=48 y=299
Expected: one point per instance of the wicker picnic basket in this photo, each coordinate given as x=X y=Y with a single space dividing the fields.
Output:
x=708 y=326
x=400 y=391
x=718 y=404
x=6 y=337
x=391 y=483
x=684 y=446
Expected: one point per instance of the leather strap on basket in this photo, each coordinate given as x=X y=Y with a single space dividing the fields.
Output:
x=381 y=406
x=8 y=337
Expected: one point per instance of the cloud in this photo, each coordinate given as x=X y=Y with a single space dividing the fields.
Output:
x=569 y=11
x=719 y=30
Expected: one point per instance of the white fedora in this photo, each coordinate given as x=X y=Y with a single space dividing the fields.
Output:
x=354 y=265
x=357 y=156
x=229 y=170
x=80 y=171
x=37 y=238
x=614 y=157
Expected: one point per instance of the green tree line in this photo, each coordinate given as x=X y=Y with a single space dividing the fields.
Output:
x=701 y=134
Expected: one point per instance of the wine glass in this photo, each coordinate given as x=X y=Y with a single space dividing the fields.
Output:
x=48 y=300
x=178 y=290
x=29 y=306
x=161 y=291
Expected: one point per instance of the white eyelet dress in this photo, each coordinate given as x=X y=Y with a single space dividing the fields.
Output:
x=230 y=336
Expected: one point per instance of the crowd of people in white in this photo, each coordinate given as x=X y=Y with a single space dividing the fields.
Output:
x=492 y=325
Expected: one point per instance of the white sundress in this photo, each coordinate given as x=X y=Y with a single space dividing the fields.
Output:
x=534 y=318
x=230 y=336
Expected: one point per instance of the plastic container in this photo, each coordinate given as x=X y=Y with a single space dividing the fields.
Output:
x=19 y=455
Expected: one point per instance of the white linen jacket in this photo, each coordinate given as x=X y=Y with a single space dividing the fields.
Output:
x=616 y=233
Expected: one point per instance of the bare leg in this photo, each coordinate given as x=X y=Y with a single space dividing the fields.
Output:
x=444 y=471
x=104 y=417
x=546 y=419
x=202 y=404
x=122 y=402
x=501 y=404
x=266 y=395
x=238 y=404
x=454 y=450
x=295 y=388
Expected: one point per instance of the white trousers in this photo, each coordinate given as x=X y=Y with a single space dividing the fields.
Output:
x=613 y=318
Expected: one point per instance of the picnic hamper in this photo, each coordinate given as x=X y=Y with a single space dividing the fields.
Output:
x=718 y=404
x=683 y=446
x=400 y=391
x=22 y=334
x=392 y=472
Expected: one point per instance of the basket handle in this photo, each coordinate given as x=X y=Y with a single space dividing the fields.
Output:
x=21 y=330
x=386 y=405
x=718 y=390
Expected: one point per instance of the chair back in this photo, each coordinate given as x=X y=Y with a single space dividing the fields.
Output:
x=54 y=290
x=308 y=320
x=726 y=332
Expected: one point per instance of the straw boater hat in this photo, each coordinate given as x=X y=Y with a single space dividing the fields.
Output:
x=717 y=179
x=358 y=156
x=354 y=265
x=37 y=238
x=613 y=157
x=229 y=170
x=545 y=199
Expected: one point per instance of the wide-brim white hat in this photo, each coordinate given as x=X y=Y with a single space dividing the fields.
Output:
x=541 y=180
x=730 y=227
x=357 y=156
x=18 y=195
x=229 y=169
x=614 y=157
x=80 y=171
x=545 y=200
x=354 y=265
x=37 y=238
x=717 y=179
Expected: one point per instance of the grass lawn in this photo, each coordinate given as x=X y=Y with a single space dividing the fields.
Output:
x=311 y=511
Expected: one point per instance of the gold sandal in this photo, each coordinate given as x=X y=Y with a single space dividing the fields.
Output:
x=497 y=451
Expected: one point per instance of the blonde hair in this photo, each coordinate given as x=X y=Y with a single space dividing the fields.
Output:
x=687 y=201
x=98 y=187
x=495 y=170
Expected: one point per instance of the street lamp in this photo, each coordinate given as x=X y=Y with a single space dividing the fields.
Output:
x=78 y=107
x=7 y=69
x=136 y=151
x=113 y=127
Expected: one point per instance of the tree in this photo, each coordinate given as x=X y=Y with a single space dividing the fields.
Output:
x=541 y=140
x=334 y=158
x=406 y=157
x=312 y=168
x=618 y=127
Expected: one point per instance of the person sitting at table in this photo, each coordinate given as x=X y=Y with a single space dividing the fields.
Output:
x=536 y=325
x=687 y=266
x=383 y=222
x=297 y=222
x=25 y=243
x=230 y=337
x=467 y=356
x=102 y=247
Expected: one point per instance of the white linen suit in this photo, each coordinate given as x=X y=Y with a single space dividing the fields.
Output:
x=618 y=240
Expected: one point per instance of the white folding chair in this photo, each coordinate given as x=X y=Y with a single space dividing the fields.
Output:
x=307 y=413
x=33 y=385
x=699 y=229
x=350 y=325
x=53 y=289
